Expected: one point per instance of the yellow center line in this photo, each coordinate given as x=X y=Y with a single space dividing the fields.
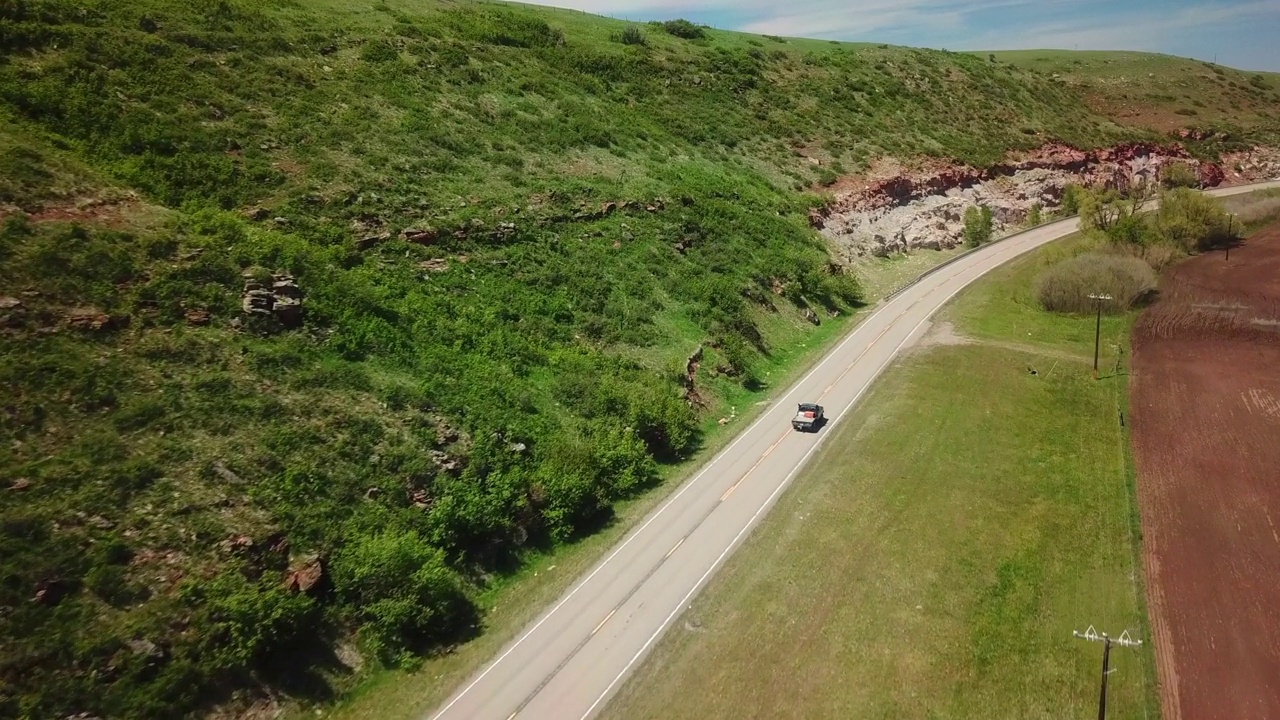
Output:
x=602 y=622
x=866 y=350
x=673 y=550
x=729 y=492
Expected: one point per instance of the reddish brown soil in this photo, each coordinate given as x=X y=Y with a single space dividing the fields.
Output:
x=1206 y=433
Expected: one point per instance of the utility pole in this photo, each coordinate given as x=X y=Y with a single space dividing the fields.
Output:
x=1097 y=333
x=1124 y=641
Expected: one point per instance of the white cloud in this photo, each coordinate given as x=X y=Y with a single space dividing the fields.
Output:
x=1174 y=26
x=1149 y=30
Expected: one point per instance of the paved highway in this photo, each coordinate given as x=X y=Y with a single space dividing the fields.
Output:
x=567 y=663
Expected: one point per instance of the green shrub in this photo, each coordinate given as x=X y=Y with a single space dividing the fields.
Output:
x=1191 y=220
x=1066 y=286
x=977 y=225
x=111 y=583
x=379 y=51
x=1071 y=195
x=1178 y=175
x=683 y=29
x=244 y=623
x=1035 y=215
x=632 y=35
x=406 y=596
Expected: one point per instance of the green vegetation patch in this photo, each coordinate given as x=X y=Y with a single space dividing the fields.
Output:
x=954 y=558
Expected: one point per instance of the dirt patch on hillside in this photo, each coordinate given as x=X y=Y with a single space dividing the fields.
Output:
x=1206 y=433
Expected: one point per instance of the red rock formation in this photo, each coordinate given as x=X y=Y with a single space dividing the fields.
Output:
x=903 y=188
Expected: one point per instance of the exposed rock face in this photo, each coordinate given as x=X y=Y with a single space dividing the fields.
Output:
x=308 y=576
x=1254 y=165
x=926 y=210
x=94 y=320
x=280 y=298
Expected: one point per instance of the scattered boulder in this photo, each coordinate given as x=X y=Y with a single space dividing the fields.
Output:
x=20 y=484
x=94 y=320
x=280 y=299
x=424 y=236
x=371 y=241
x=222 y=471
x=257 y=214
x=237 y=545
x=812 y=316
x=307 y=576
x=146 y=648
x=198 y=318
x=51 y=592
x=12 y=312
x=445 y=461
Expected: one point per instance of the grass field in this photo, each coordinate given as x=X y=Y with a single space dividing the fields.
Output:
x=934 y=560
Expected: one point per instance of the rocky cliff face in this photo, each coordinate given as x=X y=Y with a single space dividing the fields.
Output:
x=897 y=211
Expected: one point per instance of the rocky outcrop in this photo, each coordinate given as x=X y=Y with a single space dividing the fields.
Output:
x=925 y=209
x=94 y=320
x=307 y=576
x=1253 y=165
x=691 y=366
x=279 y=298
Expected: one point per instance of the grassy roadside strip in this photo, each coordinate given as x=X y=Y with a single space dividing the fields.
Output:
x=936 y=556
x=514 y=601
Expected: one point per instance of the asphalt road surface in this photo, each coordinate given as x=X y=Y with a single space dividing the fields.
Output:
x=567 y=663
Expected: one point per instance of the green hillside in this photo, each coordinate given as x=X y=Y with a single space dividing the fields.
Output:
x=1162 y=92
x=509 y=228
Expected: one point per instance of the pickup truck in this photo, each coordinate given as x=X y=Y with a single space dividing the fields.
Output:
x=808 y=417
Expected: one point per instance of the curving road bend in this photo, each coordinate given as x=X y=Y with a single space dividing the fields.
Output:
x=567 y=663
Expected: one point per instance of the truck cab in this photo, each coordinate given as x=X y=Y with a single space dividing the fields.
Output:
x=809 y=417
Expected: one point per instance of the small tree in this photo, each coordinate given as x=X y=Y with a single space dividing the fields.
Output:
x=1191 y=220
x=1034 y=215
x=1071 y=195
x=1112 y=212
x=977 y=225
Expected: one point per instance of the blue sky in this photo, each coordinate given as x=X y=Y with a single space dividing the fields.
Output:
x=1241 y=33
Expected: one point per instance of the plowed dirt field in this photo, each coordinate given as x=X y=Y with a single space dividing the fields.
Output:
x=1206 y=430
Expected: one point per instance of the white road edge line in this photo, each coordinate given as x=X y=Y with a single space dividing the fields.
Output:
x=636 y=533
x=796 y=386
x=768 y=503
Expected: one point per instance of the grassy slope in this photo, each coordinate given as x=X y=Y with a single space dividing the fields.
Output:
x=1162 y=92
x=966 y=563
x=151 y=123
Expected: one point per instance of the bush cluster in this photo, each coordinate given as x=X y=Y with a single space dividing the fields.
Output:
x=1066 y=286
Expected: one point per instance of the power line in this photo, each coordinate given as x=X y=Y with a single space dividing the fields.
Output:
x=1107 y=641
